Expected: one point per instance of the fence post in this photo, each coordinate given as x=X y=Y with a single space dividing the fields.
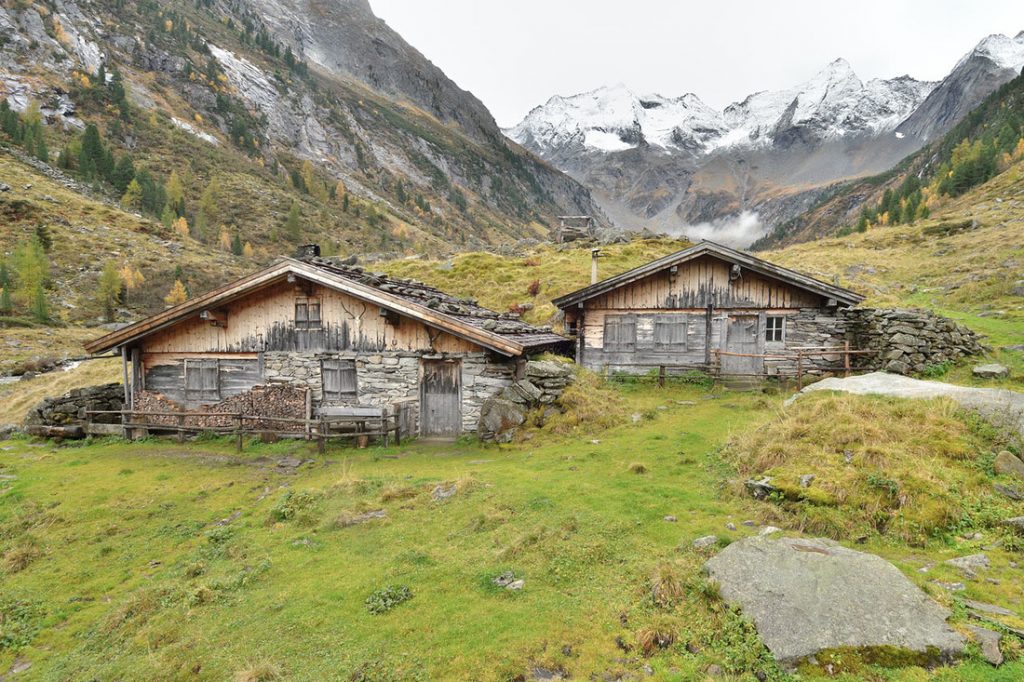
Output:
x=846 y=358
x=661 y=376
x=238 y=429
x=181 y=427
x=321 y=446
x=799 y=370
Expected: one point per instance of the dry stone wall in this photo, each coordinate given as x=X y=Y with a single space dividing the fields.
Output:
x=541 y=387
x=909 y=341
x=69 y=409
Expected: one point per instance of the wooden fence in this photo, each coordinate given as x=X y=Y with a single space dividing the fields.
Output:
x=361 y=427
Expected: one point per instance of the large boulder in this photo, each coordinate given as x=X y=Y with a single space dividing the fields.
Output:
x=810 y=595
x=499 y=419
x=1008 y=464
x=991 y=371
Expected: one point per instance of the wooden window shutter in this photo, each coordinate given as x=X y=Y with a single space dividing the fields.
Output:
x=670 y=332
x=620 y=332
x=202 y=380
x=339 y=379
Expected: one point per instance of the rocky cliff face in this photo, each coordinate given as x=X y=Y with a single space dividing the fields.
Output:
x=672 y=162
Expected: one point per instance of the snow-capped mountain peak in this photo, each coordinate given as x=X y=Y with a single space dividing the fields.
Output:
x=1004 y=51
x=832 y=103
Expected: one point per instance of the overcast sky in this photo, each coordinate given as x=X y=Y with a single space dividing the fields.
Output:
x=515 y=54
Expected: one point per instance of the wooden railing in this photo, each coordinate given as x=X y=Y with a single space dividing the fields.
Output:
x=135 y=423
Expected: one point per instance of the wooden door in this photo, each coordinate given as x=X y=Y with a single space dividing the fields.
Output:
x=743 y=335
x=441 y=399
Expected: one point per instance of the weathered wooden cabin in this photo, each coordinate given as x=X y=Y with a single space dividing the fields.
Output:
x=347 y=336
x=678 y=310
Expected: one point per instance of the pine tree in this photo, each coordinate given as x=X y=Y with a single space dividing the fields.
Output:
x=6 y=304
x=177 y=295
x=293 y=225
x=168 y=217
x=40 y=308
x=124 y=173
x=108 y=290
x=236 y=245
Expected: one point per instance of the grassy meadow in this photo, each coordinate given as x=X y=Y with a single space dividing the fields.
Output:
x=166 y=561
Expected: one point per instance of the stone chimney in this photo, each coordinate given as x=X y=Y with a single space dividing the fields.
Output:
x=307 y=251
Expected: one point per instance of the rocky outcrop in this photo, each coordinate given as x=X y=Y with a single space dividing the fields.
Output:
x=909 y=340
x=541 y=387
x=810 y=595
x=1004 y=409
x=69 y=409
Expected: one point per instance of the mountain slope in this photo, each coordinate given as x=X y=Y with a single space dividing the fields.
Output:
x=267 y=87
x=669 y=163
x=984 y=143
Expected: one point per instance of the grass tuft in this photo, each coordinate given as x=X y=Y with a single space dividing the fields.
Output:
x=261 y=671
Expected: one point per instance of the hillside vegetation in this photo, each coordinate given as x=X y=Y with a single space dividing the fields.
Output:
x=986 y=142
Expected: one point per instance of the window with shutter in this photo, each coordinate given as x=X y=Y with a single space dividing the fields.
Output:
x=620 y=332
x=307 y=314
x=670 y=332
x=339 y=379
x=202 y=381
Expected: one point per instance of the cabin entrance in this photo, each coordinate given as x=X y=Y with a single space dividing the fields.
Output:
x=441 y=399
x=743 y=336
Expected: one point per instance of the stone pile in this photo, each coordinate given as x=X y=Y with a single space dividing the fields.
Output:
x=909 y=340
x=69 y=409
x=541 y=387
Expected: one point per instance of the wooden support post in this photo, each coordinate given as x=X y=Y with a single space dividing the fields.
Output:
x=398 y=429
x=181 y=427
x=309 y=412
x=238 y=430
x=124 y=375
x=321 y=445
x=846 y=358
x=707 y=333
x=661 y=376
x=799 y=370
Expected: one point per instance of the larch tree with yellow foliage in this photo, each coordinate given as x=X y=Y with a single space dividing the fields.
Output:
x=177 y=295
x=181 y=227
x=132 y=279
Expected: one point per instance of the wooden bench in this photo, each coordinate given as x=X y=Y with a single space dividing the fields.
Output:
x=358 y=421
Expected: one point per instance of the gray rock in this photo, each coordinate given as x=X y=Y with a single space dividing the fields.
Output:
x=806 y=480
x=951 y=587
x=989 y=642
x=991 y=371
x=1016 y=522
x=1008 y=464
x=705 y=542
x=671 y=518
x=730 y=526
x=1016 y=494
x=1003 y=408
x=807 y=595
x=505 y=579
x=443 y=492
x=516 y=585
x=760 y=490
x=499 y=419
x=971 y=562
x=990 y=609
x=769 y=530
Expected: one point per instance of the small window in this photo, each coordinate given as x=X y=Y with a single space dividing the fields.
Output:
x=774 y=329
x=620 y=332
x=307 y=314
x=670 y=332
x=339 y=379
x=202 y=381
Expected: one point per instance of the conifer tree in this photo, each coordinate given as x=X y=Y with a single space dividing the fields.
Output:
x=108 y=290
x=293 y=225
x=6 y=304
x=236 y=245
x=177 y=295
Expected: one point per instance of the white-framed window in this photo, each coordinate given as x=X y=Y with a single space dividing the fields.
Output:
x=202 y=380
x=670 y=332
x=307 y=313
x=774 y=328
x=339 y=379
x=620 y=332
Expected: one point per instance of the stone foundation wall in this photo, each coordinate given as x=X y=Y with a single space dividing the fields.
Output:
x=811 y=327
x=909 y=340
x=386 y=378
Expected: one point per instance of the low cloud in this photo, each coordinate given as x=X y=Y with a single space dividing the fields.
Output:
x=738 y=231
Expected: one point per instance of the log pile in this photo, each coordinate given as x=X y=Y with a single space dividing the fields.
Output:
x=284 y=401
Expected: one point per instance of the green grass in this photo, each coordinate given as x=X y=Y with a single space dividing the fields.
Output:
x=119 y=569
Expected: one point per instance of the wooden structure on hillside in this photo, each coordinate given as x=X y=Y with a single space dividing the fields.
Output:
x=345 y=339
x=708 y=307
x=573 y=228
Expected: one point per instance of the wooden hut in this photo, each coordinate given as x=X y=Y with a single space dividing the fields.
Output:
x=708 y=306
x=347 y=337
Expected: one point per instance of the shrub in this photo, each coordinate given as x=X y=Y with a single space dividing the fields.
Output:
x=383 y=600
x=262 y=671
